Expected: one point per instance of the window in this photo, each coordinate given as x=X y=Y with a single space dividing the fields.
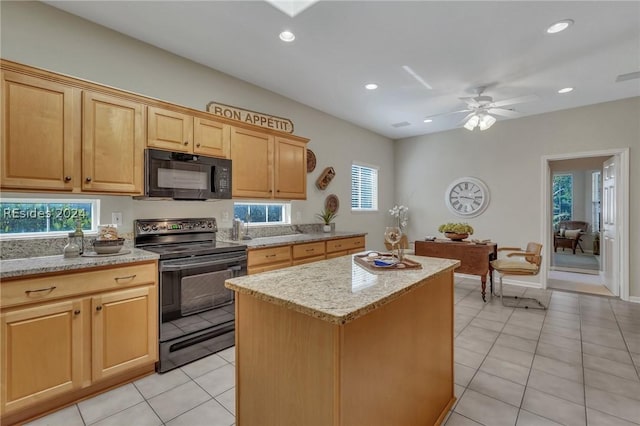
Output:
x=562 y=198
x=30 y=217
x=364 y=188
x=596 y=188
x=263 y=213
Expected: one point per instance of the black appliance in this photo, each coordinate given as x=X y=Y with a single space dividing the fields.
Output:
x=182 y=176
x=197 y=313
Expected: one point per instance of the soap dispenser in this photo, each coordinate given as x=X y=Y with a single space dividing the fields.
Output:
x=71 y=250
x=79 y=236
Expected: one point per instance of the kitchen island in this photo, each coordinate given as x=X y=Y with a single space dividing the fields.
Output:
x=335 y=343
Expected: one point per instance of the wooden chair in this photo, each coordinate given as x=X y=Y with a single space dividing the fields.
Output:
x=527 y=264
x=569 y=234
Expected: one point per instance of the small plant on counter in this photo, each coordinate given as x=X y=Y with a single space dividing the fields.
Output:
x=326 y=216
x=456 y=228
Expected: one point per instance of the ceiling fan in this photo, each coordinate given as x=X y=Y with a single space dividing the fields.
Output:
x=482 y=108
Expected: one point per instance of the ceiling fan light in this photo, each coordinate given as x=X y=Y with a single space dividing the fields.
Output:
x=472 y=122
x=487 y=121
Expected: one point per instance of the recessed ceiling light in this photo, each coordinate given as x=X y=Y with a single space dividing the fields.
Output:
x=427 y=120
x=287 y=36
x=371 y=86
x=560 y=26
x=565 y=90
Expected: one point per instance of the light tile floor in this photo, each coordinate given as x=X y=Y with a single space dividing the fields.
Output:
x=576 y=363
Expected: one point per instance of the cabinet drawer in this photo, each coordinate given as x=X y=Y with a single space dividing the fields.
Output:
x=33 y=290
x=265 y=256
x=301 y=251
x=345 y=244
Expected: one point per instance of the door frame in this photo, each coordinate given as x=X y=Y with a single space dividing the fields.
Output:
x=622 y=212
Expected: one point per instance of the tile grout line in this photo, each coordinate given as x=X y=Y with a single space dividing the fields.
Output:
x=625 y=341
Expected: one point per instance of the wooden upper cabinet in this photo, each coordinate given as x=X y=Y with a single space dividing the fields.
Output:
x=252 y=167
x=112 y=144
x=40 y=133
x=170 y=130
x=290 y=178
x=178 y=132
x=211 y=138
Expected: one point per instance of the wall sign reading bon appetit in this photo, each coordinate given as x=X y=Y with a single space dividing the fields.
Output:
x=251 y=117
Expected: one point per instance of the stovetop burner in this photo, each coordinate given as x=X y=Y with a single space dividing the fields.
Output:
x=175 y=238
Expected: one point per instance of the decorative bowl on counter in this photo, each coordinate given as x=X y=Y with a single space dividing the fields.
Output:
x=108 y=246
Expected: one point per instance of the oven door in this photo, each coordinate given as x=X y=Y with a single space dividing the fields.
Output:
x=192 y=292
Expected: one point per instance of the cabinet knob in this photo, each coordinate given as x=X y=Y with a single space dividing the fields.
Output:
x=186 y=143
x=270 y=191
x=198 y=145
x=76 y=312
x=67 y=178
x=278 y=190
x=88 y=179
x=99 y=308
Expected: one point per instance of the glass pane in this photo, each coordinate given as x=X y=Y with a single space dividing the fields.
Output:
x=562 y=198
x=26 y=216
x=274 y=213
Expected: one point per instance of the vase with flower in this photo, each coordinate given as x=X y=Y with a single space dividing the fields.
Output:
x=400 y=216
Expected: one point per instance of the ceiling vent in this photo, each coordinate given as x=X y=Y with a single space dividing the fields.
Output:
x=401 y=124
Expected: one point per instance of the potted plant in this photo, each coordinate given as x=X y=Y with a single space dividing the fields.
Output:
x=456 y=231
x=327 y=217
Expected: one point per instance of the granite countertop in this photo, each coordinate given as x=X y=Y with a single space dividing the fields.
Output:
x=337 y=290
x=280 y=240
x=47 y=264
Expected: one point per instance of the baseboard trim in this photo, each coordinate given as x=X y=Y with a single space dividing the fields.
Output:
x=634 y=299
x=504 y=281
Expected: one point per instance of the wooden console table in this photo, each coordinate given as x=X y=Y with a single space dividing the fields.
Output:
x=474 y=258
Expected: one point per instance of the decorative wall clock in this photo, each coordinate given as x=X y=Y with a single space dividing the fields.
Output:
x=467 y=197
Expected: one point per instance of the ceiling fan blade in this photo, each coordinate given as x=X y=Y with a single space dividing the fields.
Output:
x=449 y=113
x=504 y=112
x=470 y=101
x=513 y=101
x=464 y=120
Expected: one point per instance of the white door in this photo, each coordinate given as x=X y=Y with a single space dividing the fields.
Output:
x=609 y=246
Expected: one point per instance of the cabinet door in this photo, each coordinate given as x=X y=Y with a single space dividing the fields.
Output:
x=40 y=133
x=252 y=156
x=210 y=138
x=124 y=331
x=169 y=130
x=41 y=353
x=112 y=144
x=290 y=169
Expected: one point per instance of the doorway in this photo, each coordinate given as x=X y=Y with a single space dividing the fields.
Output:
x=576 y=204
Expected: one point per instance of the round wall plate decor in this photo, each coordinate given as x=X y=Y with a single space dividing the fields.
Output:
x=311 y=161
x=332 y=203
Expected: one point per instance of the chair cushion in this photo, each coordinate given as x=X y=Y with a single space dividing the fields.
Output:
x=507 y=265
x=572 y=234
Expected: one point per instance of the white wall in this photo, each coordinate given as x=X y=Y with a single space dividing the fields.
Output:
x=507 y=157
x=39 y=35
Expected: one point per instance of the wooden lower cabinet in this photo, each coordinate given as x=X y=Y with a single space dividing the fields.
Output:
x=41 y=353
x=271 y=258
x=124 y=331
x=59 y=347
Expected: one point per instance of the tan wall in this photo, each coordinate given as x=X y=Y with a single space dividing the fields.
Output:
x=508 y=158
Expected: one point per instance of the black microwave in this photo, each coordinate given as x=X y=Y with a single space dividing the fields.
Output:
x=183 y=176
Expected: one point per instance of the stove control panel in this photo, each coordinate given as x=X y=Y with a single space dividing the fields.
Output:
x=174 y=226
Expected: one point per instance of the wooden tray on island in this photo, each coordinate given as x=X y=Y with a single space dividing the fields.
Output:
x=367 y=260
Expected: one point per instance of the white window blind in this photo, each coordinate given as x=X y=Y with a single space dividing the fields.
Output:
x=364 y=188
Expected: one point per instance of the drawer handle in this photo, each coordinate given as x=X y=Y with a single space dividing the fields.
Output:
x=99 y=308
x=310 y=249
x=53 y=287
x=269 y=255
x=338 y=245
x=128 y=277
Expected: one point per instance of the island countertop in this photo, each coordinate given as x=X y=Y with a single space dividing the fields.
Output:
x=337 y=290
